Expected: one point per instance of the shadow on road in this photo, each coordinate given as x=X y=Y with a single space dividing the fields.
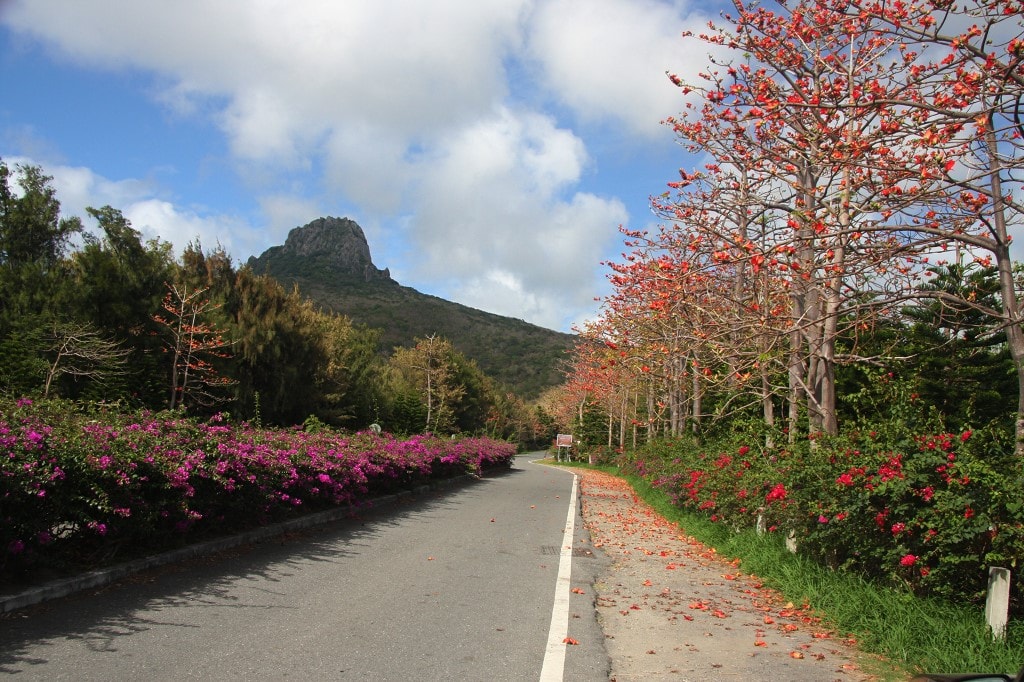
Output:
x=100 y=617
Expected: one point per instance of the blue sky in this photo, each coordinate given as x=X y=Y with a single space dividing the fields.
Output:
x=489 y=149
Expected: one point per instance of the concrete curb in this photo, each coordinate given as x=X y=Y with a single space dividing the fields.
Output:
x=66 y=586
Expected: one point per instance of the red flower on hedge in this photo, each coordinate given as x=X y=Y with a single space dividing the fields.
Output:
x=908 y=560
x=891 y=468
x=776 y=493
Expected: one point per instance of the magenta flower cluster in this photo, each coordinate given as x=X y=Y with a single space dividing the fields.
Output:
x=75 y=486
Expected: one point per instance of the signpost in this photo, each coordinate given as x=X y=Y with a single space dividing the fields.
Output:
x=563 y=440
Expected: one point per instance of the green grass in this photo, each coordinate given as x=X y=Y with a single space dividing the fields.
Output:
x=917 y=635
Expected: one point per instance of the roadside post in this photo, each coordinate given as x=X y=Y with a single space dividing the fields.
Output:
x=997 y=605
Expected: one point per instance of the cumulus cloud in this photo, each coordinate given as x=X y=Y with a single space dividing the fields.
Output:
x=291 y=74
x=499 y=210
x=283 y=212
x=607 y=59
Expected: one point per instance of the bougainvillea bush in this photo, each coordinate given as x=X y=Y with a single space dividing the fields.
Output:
x=928 y=512
x=80 y=486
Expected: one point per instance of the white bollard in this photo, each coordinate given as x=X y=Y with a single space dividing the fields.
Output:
x=997 y=604
x=791 y=542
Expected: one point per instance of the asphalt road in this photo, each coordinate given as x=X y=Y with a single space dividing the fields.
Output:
x=461 y=583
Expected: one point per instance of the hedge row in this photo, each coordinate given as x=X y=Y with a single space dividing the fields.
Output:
x=929 y=513
x=80 y=486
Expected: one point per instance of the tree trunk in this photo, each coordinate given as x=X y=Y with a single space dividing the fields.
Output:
x=622 y=418
x=1007 y=286
x=610 y=422
x=697 y=402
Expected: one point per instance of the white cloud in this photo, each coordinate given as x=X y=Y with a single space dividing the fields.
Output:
x=156 y=218
x=283 y=212
x=291 y=74
x=78 y=188
x=372 y=166
x=607 y=59
x=498 y=218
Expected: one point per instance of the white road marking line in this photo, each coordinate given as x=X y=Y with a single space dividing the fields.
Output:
x=554 y=656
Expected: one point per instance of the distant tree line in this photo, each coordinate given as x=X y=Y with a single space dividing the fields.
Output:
x=109 y=317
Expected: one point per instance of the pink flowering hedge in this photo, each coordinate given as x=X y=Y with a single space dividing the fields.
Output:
x=928 y=513
x=79 y=488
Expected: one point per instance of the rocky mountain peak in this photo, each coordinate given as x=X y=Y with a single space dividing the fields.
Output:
x=337 y=244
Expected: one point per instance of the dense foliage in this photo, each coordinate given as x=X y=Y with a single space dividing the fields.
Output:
x=79 y=487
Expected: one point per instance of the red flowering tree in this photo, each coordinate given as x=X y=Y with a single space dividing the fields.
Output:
x=597 y=379
x=847 y=148
x=964 y=98
x=807 y=174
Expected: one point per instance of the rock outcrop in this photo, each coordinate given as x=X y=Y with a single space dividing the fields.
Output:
x=337 y=245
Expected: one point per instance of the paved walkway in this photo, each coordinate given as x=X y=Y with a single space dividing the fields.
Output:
x=671 y=608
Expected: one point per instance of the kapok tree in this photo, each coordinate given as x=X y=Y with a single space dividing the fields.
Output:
x=727 y=274
x=652 y=335
x=692 y=330
x=597 y=380
x=965 y=97
x=795 y=104
x=635 y=329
